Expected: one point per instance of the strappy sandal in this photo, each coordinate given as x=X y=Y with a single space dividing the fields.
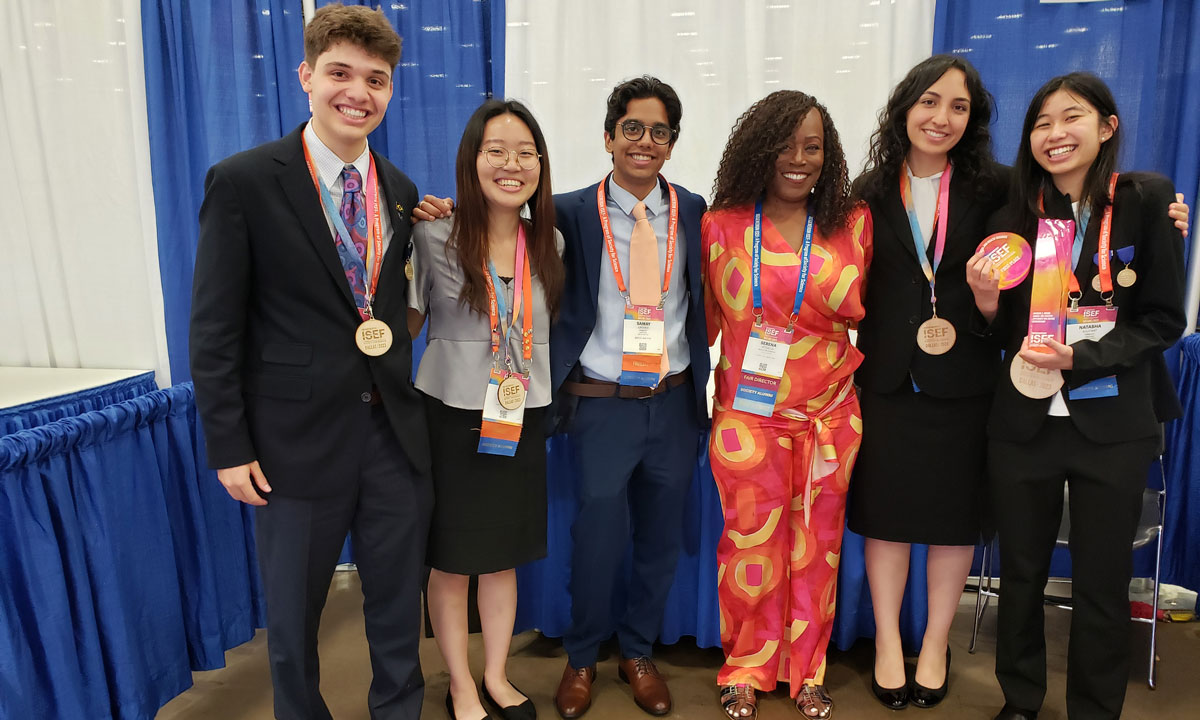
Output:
x=814 y=702
x=739 y=702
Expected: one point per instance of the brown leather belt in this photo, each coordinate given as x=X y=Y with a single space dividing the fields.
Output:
x=590 y=387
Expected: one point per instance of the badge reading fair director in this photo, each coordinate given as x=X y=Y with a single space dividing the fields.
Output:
x=1010 y=255
x=373 y=337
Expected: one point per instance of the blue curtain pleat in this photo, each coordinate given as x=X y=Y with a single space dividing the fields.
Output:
x=1182 y=526
x=34 y=414
x=126 y=566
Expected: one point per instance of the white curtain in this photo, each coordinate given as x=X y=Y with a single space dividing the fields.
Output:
x=563 y=58
x=78 y=247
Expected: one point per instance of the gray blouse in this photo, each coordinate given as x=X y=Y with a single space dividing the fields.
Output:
x=458 y=354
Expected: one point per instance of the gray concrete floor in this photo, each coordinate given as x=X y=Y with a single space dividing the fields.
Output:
x=242 y=690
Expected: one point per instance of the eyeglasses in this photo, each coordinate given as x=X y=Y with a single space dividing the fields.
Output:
x=633 y=130
x=498 y=157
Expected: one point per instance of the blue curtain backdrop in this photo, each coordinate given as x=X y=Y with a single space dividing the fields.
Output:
x=221 y=78
x=1148 y=52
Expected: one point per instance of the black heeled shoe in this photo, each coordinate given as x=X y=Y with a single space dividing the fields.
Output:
x=524 y=711
x=924 y=697
x=892 y=698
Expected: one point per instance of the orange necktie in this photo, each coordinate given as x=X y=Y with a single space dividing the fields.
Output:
x=645 y=276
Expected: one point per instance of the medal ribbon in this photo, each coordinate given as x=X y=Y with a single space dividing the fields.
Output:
x=672 y=231
x=756 y=267
x=374 y=259
x=941 y=212
x=1102 y=253
x=501 y=319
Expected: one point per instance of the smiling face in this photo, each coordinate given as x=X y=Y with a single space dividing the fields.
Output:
x=349 y=90
x=1066 y=139
x=936 y=122
x=636 y=163
x=798 y=166
x=508 y=187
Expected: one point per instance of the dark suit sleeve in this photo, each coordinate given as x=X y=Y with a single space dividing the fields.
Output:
x=220 y=291
x=1155 y=319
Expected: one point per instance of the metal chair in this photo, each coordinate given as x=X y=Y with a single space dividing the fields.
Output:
x=1149 y=530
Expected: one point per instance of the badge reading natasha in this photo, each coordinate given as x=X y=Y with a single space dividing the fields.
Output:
x=373 y=337
x=936 y=336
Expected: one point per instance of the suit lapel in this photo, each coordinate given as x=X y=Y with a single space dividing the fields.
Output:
x=896 y=217
x=398 y=247
x=693 y=242
x=306 y=202
x=591 y=242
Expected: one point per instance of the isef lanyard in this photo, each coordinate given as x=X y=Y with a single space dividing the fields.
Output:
x=942 y=213
x=610 y=243
x=502 y=321
x=1074 y=293
x=756 y=267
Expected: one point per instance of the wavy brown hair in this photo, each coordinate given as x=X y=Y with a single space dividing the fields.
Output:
x=755 y=142
x=469 y=237
x=360 y=26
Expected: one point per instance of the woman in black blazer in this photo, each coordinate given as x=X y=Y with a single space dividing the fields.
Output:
x=1101 y=431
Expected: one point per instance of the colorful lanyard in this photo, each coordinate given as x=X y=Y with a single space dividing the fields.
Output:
x=942 y=213
x=672 y=229
x=502 y=320
x=756 y=267
x=1102 y=252
x=374 y=258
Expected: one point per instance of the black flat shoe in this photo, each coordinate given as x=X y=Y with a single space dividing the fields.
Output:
x=450 y=707
x=892 y=698
x=524 y=711
x=924 y=697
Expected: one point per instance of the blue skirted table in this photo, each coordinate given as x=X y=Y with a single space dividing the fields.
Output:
x=123 y=563
x=30 y=397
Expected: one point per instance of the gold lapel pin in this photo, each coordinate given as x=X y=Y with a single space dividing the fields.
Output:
x=399 y=208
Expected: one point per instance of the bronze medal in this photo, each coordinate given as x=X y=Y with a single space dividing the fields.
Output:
x=373 y=337
x=511 y=393
x=1096 y=284
x=936 y=336
x=1033 y=381
x=1127 y=277
x=408 y=269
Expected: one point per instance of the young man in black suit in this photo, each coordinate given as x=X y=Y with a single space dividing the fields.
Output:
x=302 y=362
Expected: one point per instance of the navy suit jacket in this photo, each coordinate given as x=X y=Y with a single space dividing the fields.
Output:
x=579 y=223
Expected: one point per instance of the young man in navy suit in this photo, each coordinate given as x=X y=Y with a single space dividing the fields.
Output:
x=635 y=446
x=302 y=362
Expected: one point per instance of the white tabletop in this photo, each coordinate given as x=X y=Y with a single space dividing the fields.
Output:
x=21 y=385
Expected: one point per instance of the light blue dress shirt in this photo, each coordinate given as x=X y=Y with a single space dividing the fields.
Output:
x=601 y=357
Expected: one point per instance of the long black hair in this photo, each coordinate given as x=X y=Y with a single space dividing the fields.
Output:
x=1029 y=178
x=755 y=142
x=971 y=155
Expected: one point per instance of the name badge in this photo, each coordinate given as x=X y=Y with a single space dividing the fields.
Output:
x=762 y=369
x=503 y=413
x=642 y=345
x=1091 y=322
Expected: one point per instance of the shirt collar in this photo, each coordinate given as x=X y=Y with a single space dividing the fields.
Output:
x=656 y=202
x=329 y=165
x=936 y=177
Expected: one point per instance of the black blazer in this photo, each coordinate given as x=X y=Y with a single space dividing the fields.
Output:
x=579 y=223
x=1150 y=319
x=278 y=376
x=898 y=299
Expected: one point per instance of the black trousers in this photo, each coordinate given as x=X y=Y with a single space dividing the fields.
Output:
x=1105 y=483
x=385 y=508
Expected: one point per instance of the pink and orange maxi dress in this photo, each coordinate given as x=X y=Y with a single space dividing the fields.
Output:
x=783 y=479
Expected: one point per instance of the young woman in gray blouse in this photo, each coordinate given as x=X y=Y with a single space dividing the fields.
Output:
x=488 y=281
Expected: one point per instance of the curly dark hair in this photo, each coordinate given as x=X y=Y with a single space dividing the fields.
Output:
x=971 y=155
x=755 y=142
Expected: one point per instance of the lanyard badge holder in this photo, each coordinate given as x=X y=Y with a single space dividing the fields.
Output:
x=767 y=348
x=644 y=330
x=507 y=389
x=1092 y=322
x=936 y=335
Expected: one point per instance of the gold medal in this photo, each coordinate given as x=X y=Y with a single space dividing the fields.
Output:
x=408 y=269
x=936 y=336
x=1096 y=284
x=511 y=393
x=1033 y=381
x=373 y=337
x=1127 y=277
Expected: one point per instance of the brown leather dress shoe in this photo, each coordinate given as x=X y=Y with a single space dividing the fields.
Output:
x=574 y=694
x=649 y=688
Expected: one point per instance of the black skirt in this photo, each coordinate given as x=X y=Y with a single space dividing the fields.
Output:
x=489 y=511
x=921 y=473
